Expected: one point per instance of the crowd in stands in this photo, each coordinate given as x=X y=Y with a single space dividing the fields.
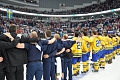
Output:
x=107 y=5
x=28 y=25
x=19 y=8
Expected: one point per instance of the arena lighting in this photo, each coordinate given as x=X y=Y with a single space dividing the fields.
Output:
x=72 y=15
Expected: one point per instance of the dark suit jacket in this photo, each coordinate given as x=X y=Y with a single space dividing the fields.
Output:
x=3 y=46
x=15 y=56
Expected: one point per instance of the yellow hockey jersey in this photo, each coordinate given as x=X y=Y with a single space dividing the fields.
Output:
x=118 y=40
x=86 y=44
x=77 y=48
x=95 y=45
x=110 y=43
x=113 y=41
x=102 y=40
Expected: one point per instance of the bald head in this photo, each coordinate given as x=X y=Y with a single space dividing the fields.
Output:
x=65 y=36
x=57 y=36
x=33 y=35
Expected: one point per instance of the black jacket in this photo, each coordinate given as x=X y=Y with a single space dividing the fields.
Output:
x=15 y=56
x=3 y=46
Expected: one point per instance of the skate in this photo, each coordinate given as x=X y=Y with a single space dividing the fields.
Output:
x=110 y=61
x=74 y=74
x=78 y=73
x=113 y=57
x=84 y=71
x=94 y=70
x=102 y=67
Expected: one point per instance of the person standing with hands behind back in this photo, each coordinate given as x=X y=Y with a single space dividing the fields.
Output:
x=49 y=60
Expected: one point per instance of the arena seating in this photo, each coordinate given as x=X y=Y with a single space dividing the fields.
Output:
x=27 y=25
x=107 y=5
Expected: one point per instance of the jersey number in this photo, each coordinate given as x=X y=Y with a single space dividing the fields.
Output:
x=97 y=43
x=88 y=45
x=79 y=45
x=110 y=43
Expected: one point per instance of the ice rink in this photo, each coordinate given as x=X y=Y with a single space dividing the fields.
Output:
x=111 y=72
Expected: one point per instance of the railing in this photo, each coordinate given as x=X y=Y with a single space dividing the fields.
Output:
x=72 y=15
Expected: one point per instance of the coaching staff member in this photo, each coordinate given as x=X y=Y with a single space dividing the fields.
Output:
x=49 y=60
x=3 y=56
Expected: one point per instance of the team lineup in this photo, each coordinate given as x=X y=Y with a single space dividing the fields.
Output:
x=52 y=57
x=59 y=39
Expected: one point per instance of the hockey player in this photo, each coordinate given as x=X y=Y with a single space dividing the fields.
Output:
x=94 y=46
x=106 y=47
x=102 y=51
x=110 y=49
x=77 y=53
x=85 y=51
x=114 y=41
x=118 y=44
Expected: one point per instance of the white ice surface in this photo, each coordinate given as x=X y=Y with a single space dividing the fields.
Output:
x=111 y=72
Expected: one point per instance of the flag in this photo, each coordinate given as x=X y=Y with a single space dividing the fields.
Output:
x=9 y=13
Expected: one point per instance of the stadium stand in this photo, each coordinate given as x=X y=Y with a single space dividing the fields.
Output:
x=107 y=5
x=27 y=25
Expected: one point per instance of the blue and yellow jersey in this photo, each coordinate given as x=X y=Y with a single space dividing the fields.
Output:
x=114 y=41
x=86 y=44
x=95 y=45
x=87 y=39
x=107 y=42
x=110 y=43
x=102 y=40
x=77 y=48
x=117 y=40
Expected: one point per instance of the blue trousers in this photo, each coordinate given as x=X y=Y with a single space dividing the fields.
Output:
x=68 y=64
x=49 y=71
x=34 y=68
